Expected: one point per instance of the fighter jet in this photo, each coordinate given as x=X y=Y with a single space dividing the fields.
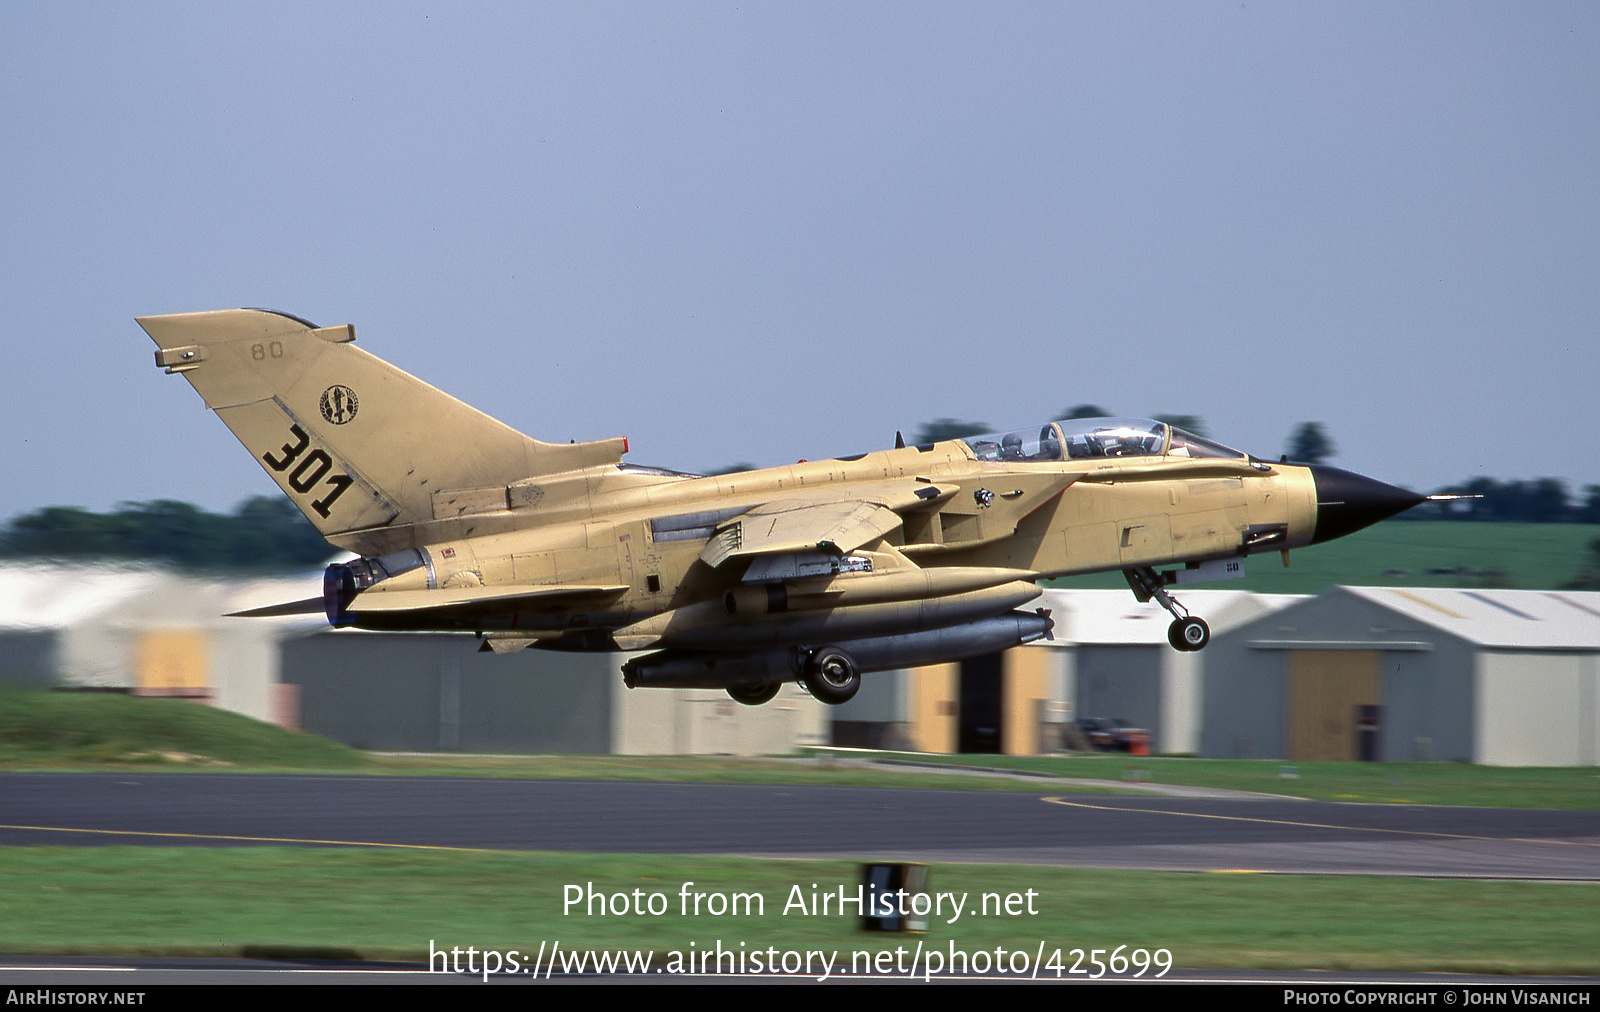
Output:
x=814 y=572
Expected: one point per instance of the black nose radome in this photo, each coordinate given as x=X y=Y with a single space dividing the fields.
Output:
x=1347 y=502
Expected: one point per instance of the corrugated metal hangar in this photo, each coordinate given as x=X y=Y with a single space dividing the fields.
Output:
x=143 y=631
x=1488 y=676
x=1501 y=677
x=428 y=692
x=1109 y=658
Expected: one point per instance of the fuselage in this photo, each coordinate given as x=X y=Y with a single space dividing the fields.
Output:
x=643 y=531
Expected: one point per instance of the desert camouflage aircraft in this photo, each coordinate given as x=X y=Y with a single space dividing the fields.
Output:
x=813 y=572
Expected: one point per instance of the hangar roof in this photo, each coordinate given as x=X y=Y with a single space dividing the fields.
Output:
x=54 y=597
x=46 y=596
x=1527 y=619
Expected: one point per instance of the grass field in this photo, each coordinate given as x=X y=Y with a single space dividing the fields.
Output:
x=1402 y=553
x=77 y=729
x=393 y=904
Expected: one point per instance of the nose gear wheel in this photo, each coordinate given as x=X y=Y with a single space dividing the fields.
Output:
x=1188 y=633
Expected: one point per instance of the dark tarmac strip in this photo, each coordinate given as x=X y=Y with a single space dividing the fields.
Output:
x=174 y=809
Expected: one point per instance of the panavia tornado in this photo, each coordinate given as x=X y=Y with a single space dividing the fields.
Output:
x=813 y=572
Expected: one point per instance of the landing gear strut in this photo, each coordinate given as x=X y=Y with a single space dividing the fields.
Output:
x=1187 y=632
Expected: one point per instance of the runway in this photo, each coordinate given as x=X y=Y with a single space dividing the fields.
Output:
x=1267 y=835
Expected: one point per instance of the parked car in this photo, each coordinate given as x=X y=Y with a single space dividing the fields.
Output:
x=1113 y=734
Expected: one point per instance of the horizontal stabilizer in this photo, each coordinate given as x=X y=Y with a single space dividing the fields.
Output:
x=310 y=606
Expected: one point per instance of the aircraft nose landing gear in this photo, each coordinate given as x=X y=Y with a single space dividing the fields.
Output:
x=1187 y=632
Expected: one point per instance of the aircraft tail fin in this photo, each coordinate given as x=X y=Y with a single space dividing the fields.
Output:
x=353 y=441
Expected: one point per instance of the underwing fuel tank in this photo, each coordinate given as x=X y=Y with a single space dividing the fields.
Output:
x=713 y=628
x=866 y=605
x=716 y=669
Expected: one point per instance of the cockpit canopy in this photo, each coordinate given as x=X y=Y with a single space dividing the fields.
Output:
x=1084 y=438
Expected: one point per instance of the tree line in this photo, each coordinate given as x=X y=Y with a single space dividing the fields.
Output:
x=1540 y=501
x=264 y=534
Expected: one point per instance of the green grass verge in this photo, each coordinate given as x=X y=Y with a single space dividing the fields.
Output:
x=1401 y=553
x=391 y=904
x=78 y=729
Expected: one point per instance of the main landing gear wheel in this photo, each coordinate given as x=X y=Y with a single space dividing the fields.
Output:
x=1188 y=633
x=754 y=695
x=831 y=675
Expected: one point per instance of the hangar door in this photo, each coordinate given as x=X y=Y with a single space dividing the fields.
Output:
x=982 y=715
x=172 y=662
x=1325 y=692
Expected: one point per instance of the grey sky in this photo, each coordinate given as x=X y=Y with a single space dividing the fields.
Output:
x=766 y=232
